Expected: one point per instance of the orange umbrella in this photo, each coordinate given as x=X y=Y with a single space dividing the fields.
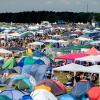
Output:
x=94 y=93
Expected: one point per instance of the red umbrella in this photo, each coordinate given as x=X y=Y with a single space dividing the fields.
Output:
x=94 y=93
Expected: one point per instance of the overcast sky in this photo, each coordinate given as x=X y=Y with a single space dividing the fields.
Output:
x=49 y=5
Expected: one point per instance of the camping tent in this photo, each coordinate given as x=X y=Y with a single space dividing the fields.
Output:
x=42 y=94
x=10 y=63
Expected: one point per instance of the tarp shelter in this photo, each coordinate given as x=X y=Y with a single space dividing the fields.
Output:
x=10 y=63
x=79 y=68
x=93 y=51
x=42 y=94
x=72 y=56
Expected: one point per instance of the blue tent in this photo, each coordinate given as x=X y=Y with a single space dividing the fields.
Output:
x=36 y=70
x=27 y=97
x=65 y=97
x=40 y=62
x=26 y=61
x=14 y=94
x=81 y=88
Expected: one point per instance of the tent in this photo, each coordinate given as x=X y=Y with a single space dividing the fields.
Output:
x=4 y=97
x=93 y=51
x=42 y=94
x=72 y=56
x=16 y=48
x=51 y=41
x=81 y=88
x=1 y=61
x=26 y=61
x=65 y=97
x=94 y=93
x=91 y=58
x=36 y=70
x=13 y=94
x=79 y=68
x=10 y=63
x=56 y=88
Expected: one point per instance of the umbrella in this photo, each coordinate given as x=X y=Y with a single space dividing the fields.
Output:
x=26 y=61
x=94 y=93
x=4 y=97
x=13 y=94
x=55 y=88
x=10 y=63
x=81 y=88
x=65 y=97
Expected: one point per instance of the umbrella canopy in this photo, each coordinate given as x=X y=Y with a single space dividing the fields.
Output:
x=55 y=88
x=26 y=61
x=10 y=63
x=13 y=94
x=65 y=97
x=4 y=97
x=93 y=51
x=81 y=88
x=94 y=93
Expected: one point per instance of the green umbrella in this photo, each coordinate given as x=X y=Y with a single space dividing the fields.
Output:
x=4 y=97
x=10 y=63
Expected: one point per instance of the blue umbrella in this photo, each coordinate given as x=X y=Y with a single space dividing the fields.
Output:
x=65 y=97
x=81 y=88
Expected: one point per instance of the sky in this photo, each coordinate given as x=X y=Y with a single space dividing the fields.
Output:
x=49 y=5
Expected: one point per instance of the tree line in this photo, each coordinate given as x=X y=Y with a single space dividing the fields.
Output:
x=51 y=16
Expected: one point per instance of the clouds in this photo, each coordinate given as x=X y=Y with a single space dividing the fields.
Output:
x=55 y=5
